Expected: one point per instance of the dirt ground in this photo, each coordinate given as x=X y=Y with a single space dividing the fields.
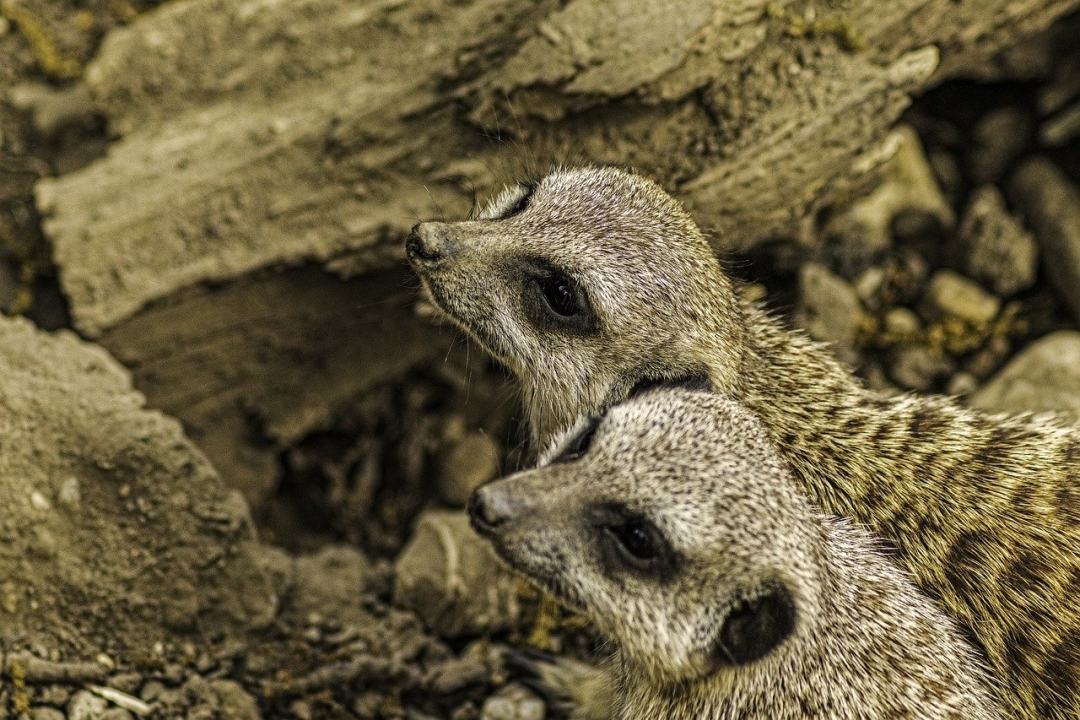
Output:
x=292 y=545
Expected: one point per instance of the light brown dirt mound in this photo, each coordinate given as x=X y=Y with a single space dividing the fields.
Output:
x=115 y=532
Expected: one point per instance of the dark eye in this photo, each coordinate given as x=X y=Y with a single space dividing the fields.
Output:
x=576 y=448
x=629 y=542
x=522 y=202
x=636 y=538
x=561 y=295
x=555 y=302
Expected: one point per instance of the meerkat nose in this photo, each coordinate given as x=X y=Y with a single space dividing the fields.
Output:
x=429 y=242
x=491 y=507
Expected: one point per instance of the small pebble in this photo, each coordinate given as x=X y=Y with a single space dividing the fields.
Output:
x=126 y=682
x=962 y=383
x=39 y=502
x=953 y=295
x=151 y=690
x=916 y=367
x=69 y=495
x=902 y=322
x=45 y=713
x=513 y=702
x=85 y=705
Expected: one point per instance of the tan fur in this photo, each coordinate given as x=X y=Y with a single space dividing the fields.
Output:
x=984 y=511
x=866 y=644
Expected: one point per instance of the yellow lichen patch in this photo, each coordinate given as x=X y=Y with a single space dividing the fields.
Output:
x=52 y=61
x=947 y=336
x=808 y=24
x=20 y=699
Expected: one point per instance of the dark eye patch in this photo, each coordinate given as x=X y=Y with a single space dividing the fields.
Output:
x=630 y=543
x=554 y=301
x=755 y=627
x=576 y=448
x=518 y=207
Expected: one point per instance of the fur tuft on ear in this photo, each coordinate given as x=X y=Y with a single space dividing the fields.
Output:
x=754 y=628
x=697 y=381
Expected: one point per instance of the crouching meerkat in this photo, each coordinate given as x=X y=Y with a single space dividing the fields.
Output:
x=673 y=524
x=591 y=280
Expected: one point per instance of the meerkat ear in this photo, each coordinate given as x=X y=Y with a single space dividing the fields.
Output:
x=696 y=380
x=754 y=628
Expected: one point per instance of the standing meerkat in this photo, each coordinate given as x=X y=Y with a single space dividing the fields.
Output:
x=592 y=280
x=673 y=524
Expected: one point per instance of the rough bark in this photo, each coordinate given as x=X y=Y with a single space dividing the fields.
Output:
x=272 y=154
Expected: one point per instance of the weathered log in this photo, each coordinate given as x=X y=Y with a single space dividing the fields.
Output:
x=262 y=141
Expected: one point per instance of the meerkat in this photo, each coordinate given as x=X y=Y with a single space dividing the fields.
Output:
x=592 y=280
x=673 y=524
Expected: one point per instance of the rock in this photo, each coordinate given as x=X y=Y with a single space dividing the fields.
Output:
x=46 y=713
x=999 y=138
x=330 y=583
x=916 y=367
x=152 y=690
x=1062 y=128
x=469 y=464
x=900 y=322
x=868 y=285
x=829 y=309
x=53 y=110
x=116 y=714
x=513 y=702
x=148 y=500
x=947 y=172
x=127 y=682
x=458 y=673
x=1051 y=206
x=989 y=357
x=909 y=186
x=962 y=383
x=953 y=295
x=55 y=695
x=85 y=705
x=450 y=577
x=69 y=496
x=216 y=699
x=997 y=250
x=1045 y=377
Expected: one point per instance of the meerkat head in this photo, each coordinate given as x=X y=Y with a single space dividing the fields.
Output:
x=583 y=283
x=671 y=523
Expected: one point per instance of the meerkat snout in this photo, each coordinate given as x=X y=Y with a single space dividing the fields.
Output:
x=494 y=506
x=429 y=243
